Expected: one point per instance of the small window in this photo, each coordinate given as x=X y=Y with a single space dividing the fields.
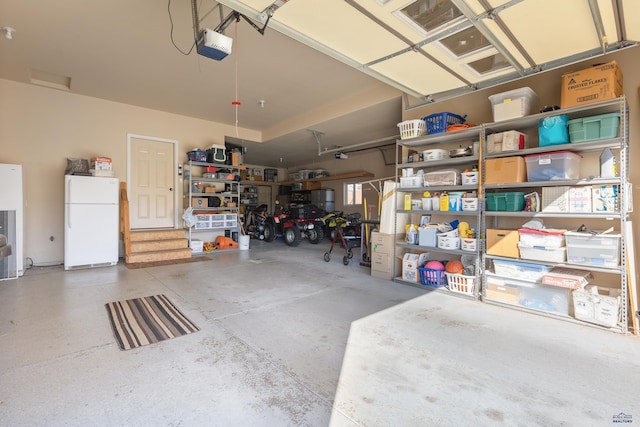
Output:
x=490 y=64
x=352 y=194
x=431 y=14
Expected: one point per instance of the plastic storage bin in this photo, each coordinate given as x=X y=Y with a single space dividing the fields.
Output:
x=427 y=236
x=553 y=166
x=433 y=278
x=542 y=253
x=553 y=131
x=469 y=203
x=197 y=155
x=469 y=178
x=443 y=177
x=600 y=250
x=452 y=243
x=527 y=294
x=593 y=128
x=411 y=181
x=513 y=103
x=461 y=284
x=437 y=123
x=510 y=201
x=469 y=245
x=549 y=239
x=412 y=128
x=435 y=154
x=546 y=298
x=522 y=270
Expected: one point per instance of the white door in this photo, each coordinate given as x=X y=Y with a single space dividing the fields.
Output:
x=151 y=187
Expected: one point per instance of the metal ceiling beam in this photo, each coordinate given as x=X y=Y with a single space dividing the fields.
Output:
x=597 y=22
x=618 y=12
x=411 y=46
x=476 y=20
x=494 y=14
x=551 y=65
x=283 y=29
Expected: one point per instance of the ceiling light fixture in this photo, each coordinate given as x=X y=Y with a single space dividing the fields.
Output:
x=8 y=32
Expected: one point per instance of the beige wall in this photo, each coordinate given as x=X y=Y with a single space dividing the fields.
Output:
x=368 y=160
x=547 y=87
x=40 y=128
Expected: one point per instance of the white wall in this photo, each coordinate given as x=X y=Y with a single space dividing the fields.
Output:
x=40 y=128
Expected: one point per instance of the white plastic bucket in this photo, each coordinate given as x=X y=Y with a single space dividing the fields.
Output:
x=243 y=242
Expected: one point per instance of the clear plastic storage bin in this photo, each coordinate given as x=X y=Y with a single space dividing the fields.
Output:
x=513 y=103
x=553 y=166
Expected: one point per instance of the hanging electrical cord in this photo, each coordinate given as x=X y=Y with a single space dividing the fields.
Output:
x=171 y=34
x=236 y=103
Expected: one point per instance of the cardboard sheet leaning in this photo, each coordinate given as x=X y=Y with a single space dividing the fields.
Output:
x=392 y=200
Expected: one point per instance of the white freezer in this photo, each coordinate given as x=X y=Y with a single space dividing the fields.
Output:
x=91 y=190
x=91 y=222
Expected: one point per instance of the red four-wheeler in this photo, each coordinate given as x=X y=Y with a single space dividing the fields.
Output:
x=292 y=225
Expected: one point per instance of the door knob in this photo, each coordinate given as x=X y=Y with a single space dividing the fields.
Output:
x=170 y=189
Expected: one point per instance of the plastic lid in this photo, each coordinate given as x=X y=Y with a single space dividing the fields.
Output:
x=552 y=153
x=549 y=231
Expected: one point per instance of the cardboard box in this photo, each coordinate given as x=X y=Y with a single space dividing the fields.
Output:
x=196 y=246
x=593 y=84
x=580 y=199
x=235 y=158
x=503 y=242
x=597 y=304
x=382 y=243
x=209 y=190
x=506 y=141
x=556 y=199
x=410 y=264
x=605 y=198
x=497 y=290
x=505 y=170
x=100 y=164
x=309 y=185
x=200 y=202
x=567 y=278
x=382 y=257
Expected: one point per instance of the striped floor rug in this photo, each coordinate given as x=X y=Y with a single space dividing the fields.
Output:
x=141 y=321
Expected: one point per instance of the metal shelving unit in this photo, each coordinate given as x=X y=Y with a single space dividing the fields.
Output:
x=212 y=218
x=566 y=220
x=467 y=137
x=490 y=219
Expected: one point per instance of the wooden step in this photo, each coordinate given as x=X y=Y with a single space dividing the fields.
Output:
x=160 y=255
x=158 y=245
x=159 y=234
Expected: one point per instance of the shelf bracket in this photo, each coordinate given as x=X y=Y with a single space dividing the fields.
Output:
x=317 y=135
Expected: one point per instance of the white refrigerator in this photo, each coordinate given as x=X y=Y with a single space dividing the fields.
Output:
x=11 y=222
x=91 y=221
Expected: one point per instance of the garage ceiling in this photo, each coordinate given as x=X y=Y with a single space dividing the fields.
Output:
x=336 y=67
x=433 y=49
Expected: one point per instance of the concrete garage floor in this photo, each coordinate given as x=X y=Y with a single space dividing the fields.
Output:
x=289 y=340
